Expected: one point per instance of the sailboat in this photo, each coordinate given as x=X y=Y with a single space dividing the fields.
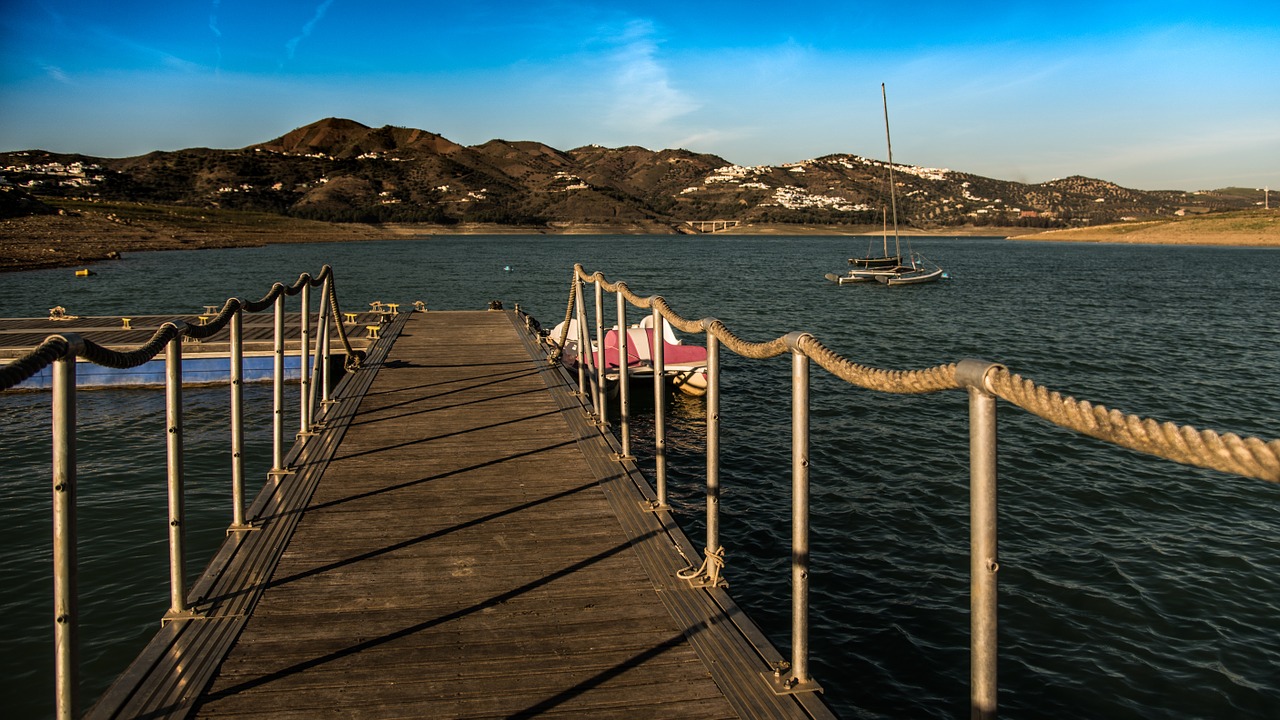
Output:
x=869 y=267
x=890 y=269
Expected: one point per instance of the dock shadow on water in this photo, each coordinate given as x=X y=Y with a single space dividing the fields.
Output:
x=1130 y=586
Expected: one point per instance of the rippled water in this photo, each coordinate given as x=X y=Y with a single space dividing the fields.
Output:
x=1130 y=586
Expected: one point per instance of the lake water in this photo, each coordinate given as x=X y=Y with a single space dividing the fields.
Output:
x=1129 y=586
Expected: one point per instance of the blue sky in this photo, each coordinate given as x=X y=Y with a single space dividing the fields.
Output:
x=1152 y=95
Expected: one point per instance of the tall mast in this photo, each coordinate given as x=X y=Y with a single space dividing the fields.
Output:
x=893 y=195
x=884 y=235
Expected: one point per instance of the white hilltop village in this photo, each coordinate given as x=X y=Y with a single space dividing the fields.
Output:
x=792 y=197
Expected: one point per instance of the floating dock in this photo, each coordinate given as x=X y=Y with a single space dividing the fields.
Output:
x=205 y=362
x=457 y=539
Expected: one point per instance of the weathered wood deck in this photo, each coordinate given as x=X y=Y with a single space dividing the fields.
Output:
x=457 y=541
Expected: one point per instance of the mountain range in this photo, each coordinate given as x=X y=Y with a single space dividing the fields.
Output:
x=341 y=170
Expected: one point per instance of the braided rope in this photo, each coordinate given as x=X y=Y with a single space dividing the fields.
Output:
x=1249 y=456
x=355 y=358
x=752 y=350
x=941 y=377
x=221 y=320
x=56 y=347
x=99 y=355
x=267 y=300
x=44 y=355
x=558 y=352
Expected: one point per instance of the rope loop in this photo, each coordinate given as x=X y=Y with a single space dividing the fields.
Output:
x=708 y=571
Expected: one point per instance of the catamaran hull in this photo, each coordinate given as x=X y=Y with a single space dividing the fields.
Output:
x=912 y=278
x=852 y=277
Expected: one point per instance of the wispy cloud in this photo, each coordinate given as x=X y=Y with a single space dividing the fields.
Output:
x=213 y=19
x=57 y=73
x=644 y=95
x=321 y=9
x=217 y=32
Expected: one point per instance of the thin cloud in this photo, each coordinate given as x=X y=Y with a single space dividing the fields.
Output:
x=321 y=9
x=217 y=32
x=644 y=93
x=213 y=19
x=57 y=74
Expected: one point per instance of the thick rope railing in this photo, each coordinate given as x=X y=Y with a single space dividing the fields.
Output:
x=558 y=351
x=55 y=347
x=1247 y=456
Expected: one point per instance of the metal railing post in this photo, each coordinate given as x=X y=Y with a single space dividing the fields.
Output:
x=277 y=417
x=624 y=391
x=584 y=347
x=237 y=420
x=304 y=350
x=601 y=392
x=713 y=445
x=177 y=511
x=799 y=517
x=313 y=424
x=983 y=538
x=659 y=410
x=66 y=620
x=798 y=679
x=326 y=351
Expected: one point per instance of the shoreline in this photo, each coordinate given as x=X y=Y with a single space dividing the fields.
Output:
x=90 y=234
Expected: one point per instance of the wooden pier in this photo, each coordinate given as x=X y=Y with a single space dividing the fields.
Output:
x=457 y=539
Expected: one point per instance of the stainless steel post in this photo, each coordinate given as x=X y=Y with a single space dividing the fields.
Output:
x=237 y=420
x=326 y=351
x=66 y=620
x=304 y=350
x=799 y=516
x=601 y=393
x=177 y=511
x=315 y=371
x=713 y=444
x=659 y=408
x=983 y=546
x=277 y=417
x=624 y=392
x=584 y=346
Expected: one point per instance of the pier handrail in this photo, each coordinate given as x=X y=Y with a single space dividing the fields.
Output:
x=56 y=346
x=1230 y=453
x=984 y=382
x=60 y=351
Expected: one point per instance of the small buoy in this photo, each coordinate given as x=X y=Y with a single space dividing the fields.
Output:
x=86 y=272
